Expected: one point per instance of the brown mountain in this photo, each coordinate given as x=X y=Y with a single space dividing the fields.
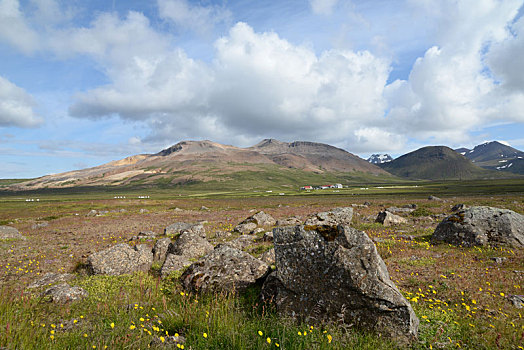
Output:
x=205 y=161
x=435 y=163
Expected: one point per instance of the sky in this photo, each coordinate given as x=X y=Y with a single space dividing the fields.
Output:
x=83 y=83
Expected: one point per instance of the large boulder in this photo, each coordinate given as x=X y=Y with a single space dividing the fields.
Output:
x=160 y=249
x=482 y=226
x=119 y=259
x=190 y=244
x=260 y=219
x=187 y=246
x=336 y=274
x=8 y=232
x=225 y=269
x=174 y=263
x=242 y=242
x=387 y=219
x=337 y=216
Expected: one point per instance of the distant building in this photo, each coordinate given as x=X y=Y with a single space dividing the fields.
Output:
x=306 y=188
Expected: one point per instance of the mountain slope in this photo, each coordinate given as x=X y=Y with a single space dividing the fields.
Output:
x=313 y=156
x=435 y=163
x=497 y=156
x=380 y=158
x=206 y=161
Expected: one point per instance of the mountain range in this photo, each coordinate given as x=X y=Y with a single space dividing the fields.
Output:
x=272 y=162
x=187 y=162
x=495 y=155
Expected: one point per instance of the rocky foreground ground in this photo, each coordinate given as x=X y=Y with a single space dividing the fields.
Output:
x=377 y=265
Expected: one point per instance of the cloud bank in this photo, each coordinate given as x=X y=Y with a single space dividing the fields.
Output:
x=258 y=84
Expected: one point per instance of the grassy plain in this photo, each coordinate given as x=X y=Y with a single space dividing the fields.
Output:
x=461 y=295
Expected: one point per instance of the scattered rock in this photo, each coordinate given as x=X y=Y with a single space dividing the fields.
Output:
x=187 y=246
x=143 y=211
x=336 y=274
x=92 y=213
x=50 y=278
x=459 y=207
x=63 y=293
x=434 y=198
x=38 y=225
x=225 y=269
x=388 y=219
x=204 y=208
x=118 y=260
x=179 y=227
x=258 y=230
x=407 y=237
x=359 y=205
x=190 y=245
x=254 y=221
x=268 y=237
x=144 y=235
x=173 y=263
x=245 y=228
x=517 y=301
x=242 y=242
x=8 y=232
x=268 y=257
x=482 y=226
x=410 y=206
x=160 y=249
x=292 y=221
x=498 y=259
x=222 y=234
x=367 y=203
x=337 y=216
x=399 y=210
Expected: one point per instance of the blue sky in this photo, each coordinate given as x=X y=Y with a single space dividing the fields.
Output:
x=86 y=82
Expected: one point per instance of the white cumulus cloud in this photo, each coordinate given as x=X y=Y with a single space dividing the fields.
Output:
x=16 y=106
x=200 y=19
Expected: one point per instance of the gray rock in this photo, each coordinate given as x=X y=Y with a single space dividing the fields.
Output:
x=63 y=293
x=254 y=221
x=268 y=257
x=337 y=216
x=118 y=260
x=268 y=236
x=50 y=278
x=459 y=207
x=517 y=301
x=245 y=228
x=204 y=208
x=8 y=232
x=258 y=230
x=179 y=227
x=387 y=219
x=92 y=212
x=482 y=226
x=190 y=245
x=335 y=274
x=187 y=246
x=498 y=259
x=242 y=242
x=399 y=210
x=292 y=221
x=160 y=249
x=434 y=198
x=143 y=211
x=225 y=269
x=174 y=263
x=146 y=255
x=38 y=225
